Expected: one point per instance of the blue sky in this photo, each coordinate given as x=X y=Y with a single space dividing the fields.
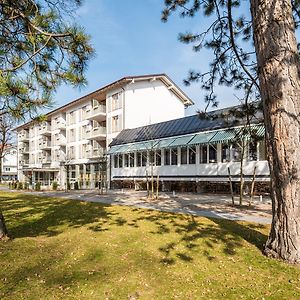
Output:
x=130 y=39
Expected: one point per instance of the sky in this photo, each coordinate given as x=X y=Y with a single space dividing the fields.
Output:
x=130 y=39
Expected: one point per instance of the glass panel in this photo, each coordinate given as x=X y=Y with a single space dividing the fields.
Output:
x=225 y=153
x=120 y=158
x=174 y=156
x=235 y=152
x=183 y=157
x=167 y=157
x=252 y=150
x=126 y=160
x=131 y=159
x=212 y=154
x=158 y=158
x=192 y=155
x=203 y=156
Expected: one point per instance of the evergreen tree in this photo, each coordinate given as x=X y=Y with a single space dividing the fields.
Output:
x=257 y=52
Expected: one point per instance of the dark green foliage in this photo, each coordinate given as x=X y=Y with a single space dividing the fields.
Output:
x=229 y=37
x=54 y=185
x=38 y=186
x=76 y=185
x=39 y=50
x=20 y=186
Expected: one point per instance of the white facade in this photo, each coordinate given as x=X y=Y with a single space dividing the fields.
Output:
x=73 y=138
x=9 y=164
x=192 y=160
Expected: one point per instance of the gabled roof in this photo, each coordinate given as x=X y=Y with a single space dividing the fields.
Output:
x=121 y=82
x=178 y=127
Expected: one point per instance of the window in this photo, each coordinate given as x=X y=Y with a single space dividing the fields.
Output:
x=183 y=157
x=174 y=156
x=72 y=135
x=7 y=169
x=120 y=158
x=203 y=154
x=116 y=123
x=131 y=159
x=262 y=150
x=158 y=157
x=71 y=117
x=212 y=154
x=95 y=103
x=167 y=157
x=83 y=113
x=192 y=155
x=151 y=157
x=126 y=160
x=235 y=152
x=144 y=158
x=72 y=152
x=139 y=159
x=252 y=150
x=116 y=161
x=225 y=153
x=116 y=101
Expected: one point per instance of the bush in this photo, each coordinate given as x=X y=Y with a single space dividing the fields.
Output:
x=38 y=186
x=54 y=185
x=20 y=186
x=68 y=185
x=15 y=185
x=26 y=186
x=76 y=186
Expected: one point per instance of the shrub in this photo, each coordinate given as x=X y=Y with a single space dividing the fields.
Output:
x=15 y=185
x=76 y=186
x=26 y=186
x=54 y=185
x=68 y=185
x=38 y=186
x=20 y=186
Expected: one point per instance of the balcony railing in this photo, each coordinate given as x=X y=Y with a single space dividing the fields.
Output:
x=24 y=149
x=98 y=152
x=46 y=160
x=24 y=162
x=61 y=125
x=45 y=129
x=97 y=133
x=98 y=112
x=45 y=145
x=23 y=136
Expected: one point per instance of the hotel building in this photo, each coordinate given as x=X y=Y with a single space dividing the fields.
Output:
x=71 y=143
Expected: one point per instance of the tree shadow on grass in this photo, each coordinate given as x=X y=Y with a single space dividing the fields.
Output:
x=30 y=216
x=206 y=236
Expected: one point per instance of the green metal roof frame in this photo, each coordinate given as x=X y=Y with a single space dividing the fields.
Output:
x=212 y=137
x=182 y=141
x=202 y=138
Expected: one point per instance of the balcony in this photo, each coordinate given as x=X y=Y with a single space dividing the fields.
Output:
x=45 y=145
x=46 y=160
x=61 y=126
x=23 y=136
x=62 y=141
x=97 y=152
x=24 y=162
x=45 y=129
x=97 y=113
x=97 y=133
x=24 y=150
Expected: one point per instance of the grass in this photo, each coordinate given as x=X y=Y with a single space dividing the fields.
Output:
x=64 y=249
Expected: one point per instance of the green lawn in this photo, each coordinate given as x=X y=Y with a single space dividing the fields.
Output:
x=66 y=249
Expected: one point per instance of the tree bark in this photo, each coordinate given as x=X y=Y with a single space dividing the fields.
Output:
x=3 y=229
x=278 y=73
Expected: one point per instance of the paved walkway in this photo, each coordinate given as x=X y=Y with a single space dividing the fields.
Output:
x=207 y=205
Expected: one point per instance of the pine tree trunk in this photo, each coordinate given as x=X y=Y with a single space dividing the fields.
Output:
x=278 y=71
x=3 y=229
